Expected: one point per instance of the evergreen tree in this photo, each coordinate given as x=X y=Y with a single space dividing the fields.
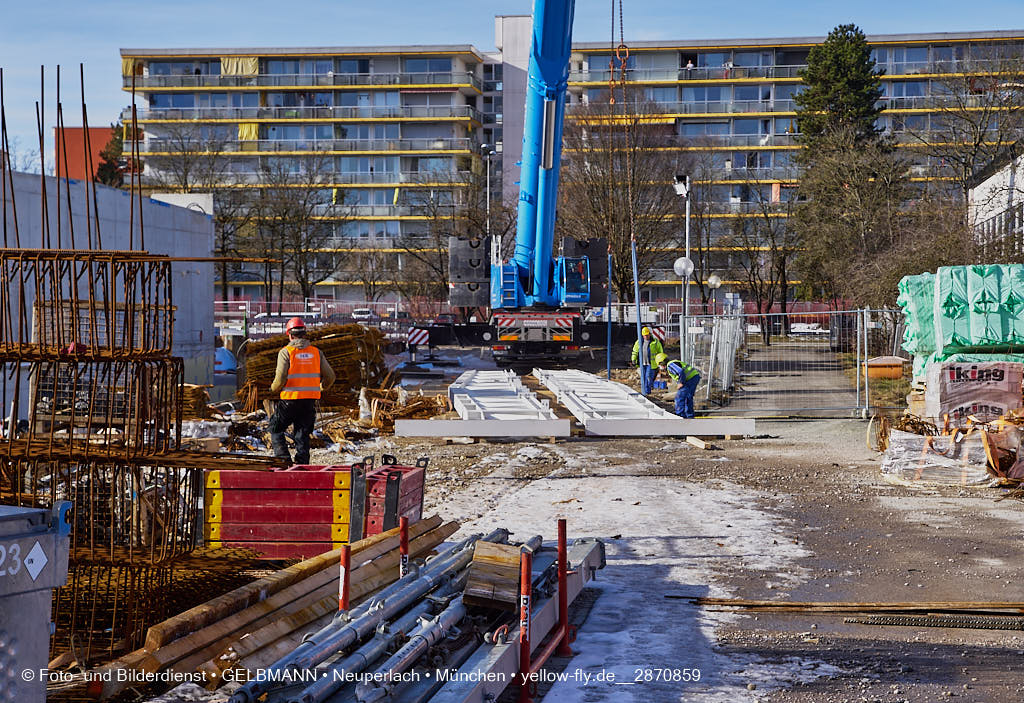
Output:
x=843 y=87
x=109 y=171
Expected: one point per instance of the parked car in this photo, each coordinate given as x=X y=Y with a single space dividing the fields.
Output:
x=445 y=318
x=362 y=314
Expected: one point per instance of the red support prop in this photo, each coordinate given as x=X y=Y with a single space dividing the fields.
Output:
x=403 y=546
x=564 y=650
x=525 y=595
x=343 y=577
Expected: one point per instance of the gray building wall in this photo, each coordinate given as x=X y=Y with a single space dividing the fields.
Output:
x=169 y=229
x=513 y=35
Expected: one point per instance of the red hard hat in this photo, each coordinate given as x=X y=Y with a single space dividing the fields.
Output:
x=295 y=323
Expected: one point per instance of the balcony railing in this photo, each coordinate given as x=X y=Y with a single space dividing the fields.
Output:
x=320 y=80
x=297 y=113
x=687 y=74
x=271 y=145
x=258 y=177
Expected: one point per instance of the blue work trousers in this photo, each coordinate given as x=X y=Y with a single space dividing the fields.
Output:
x=684 y=397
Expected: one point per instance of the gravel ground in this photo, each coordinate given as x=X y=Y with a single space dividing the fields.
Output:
x=855 y=538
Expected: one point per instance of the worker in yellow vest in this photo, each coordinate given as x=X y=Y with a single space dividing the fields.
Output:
x=302 y=375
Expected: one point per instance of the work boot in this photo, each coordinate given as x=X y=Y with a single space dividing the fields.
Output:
x=281 y=450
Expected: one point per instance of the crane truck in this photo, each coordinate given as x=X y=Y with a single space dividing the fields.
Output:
x=537 y=300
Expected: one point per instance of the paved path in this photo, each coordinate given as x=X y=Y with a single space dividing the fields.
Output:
x=800 y=377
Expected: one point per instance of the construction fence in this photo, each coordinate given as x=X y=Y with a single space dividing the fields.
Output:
x=797 y=363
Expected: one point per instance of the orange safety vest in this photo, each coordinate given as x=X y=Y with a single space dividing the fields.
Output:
x=303 y=373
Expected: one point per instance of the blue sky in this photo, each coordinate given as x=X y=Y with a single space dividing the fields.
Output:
x=69 y=32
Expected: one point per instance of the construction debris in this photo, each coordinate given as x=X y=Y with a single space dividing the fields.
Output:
x=356 y=354
x=195 y=402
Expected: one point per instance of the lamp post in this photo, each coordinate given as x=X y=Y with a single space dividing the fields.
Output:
x=495 y=246
x=683 y=268
x=682 y=187
x=714 y=283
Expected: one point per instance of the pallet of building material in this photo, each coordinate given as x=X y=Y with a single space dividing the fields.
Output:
x=959 y=459
x=195 y=402
x=493 y=579
x=984 y=390
x=355 y=353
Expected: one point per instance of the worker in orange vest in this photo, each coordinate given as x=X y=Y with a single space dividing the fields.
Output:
x=302 y=375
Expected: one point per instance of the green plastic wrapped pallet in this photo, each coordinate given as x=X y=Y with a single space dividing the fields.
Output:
x=916 y=298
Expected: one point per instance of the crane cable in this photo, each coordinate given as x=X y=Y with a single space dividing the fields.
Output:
x=622 y=54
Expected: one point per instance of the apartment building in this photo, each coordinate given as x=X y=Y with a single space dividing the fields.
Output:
x=385 y=129
x=401 y=124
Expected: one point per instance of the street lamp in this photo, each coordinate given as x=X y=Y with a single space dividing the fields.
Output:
x=682 y=187
x=714 y=283
x=495 y=246
x=683 y=268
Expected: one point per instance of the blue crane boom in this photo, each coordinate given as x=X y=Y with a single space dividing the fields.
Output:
x=534 y=277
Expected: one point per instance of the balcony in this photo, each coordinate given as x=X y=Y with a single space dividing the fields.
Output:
x=687 y=74
x=411 y=178
x=242 y=114
x=157 y=145
x=774 y=173
x=326 y=80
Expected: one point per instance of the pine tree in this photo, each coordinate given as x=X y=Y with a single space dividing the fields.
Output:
x=109 y=171
x=843 y=87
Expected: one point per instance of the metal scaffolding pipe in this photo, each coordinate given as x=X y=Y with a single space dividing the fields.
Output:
x=334 y=676
x=429 y=633
x=344 y=632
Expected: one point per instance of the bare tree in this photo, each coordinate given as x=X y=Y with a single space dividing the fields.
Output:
x=979 y=116
x=233 y=213
x=294 y=219
x=187 y=156
x=375 y=271
x=615 y=167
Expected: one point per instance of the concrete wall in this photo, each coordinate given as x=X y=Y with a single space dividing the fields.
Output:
x=171 y=230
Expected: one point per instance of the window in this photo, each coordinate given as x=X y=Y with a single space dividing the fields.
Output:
x=599 y=62
x=906 y=89
x=354 y=66
x=753 y=58
x=785 y=125
x=786 y=91
x=299 y=98
x=164 y=101
x=282 y=67
x=700 y=94
x=698 y=129
x=752 y=93
x=428 y=65
x=184 y=68
x=661 y=95
x=745 y=126
x=712 y=60
x=791 y=57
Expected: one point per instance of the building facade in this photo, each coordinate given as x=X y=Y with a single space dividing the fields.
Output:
x=396 y=127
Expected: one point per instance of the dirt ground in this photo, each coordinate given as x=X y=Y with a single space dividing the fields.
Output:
x=800 y=513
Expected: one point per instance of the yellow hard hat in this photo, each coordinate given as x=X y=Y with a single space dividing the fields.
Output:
x=645 y=331
x=660 y=359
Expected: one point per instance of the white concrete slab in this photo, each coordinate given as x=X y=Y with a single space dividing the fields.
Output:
x=658 y=427
x=482 y=428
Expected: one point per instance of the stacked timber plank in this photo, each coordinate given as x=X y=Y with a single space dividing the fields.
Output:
x=249 y=628
x=356 y=354
x=493 y=580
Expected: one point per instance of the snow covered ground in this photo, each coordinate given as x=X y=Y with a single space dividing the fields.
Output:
x=664 y=537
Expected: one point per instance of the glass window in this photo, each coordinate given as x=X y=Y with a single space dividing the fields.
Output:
x=699 y=94
x=661 y=95
x=354 y=65
x=785 y=125
x=786 y=91
x=745 y=126
x=282 y=67
x=164 y=101
x=753 y=58
x=428 y=65
x=599 y=62
x=245 y=99
x=746 y=92
x=712 y=60
x=697 y=129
